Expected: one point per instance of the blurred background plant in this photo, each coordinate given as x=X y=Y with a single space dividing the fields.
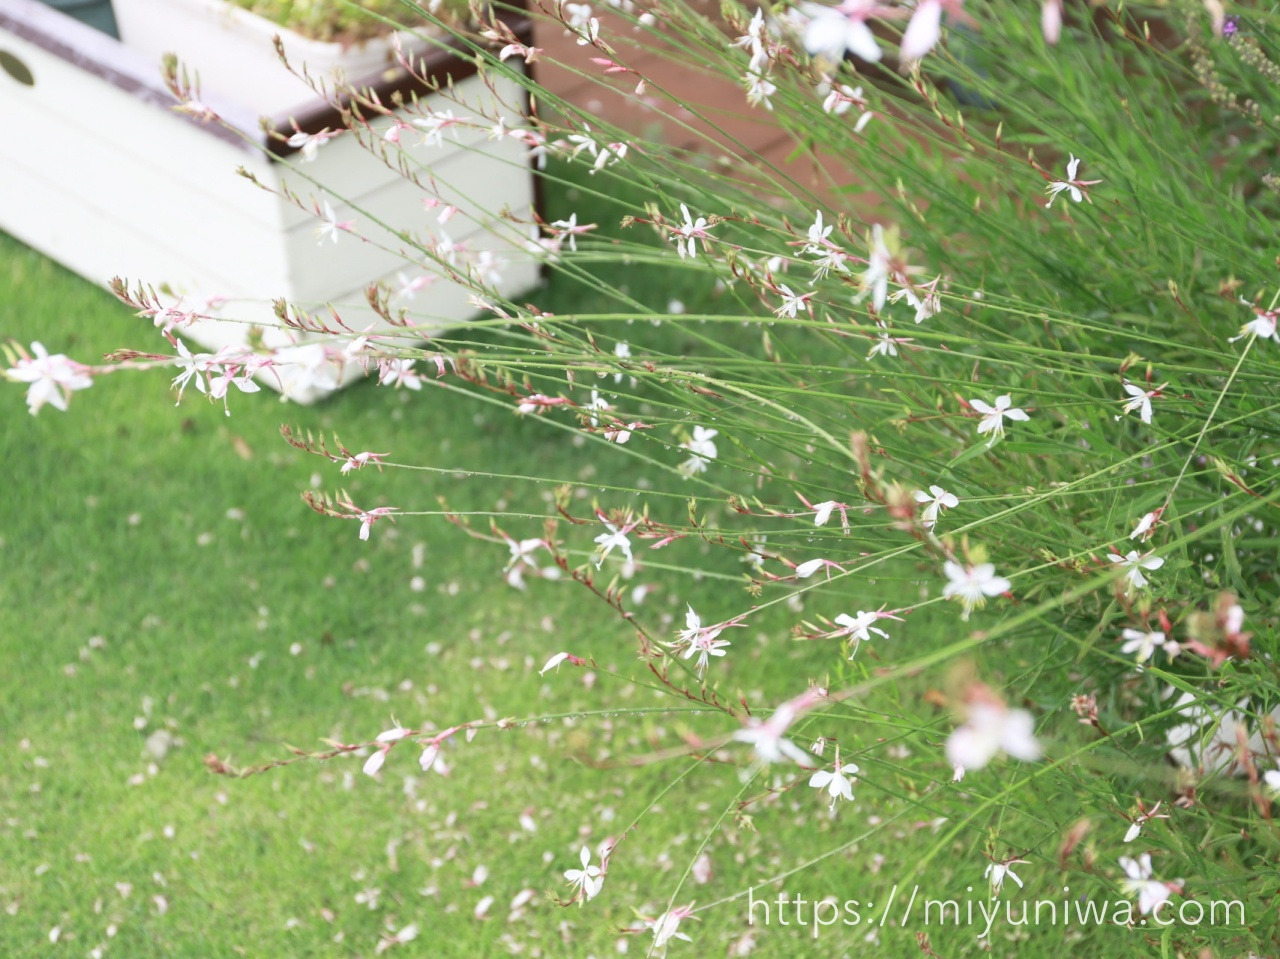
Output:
x=333 y=20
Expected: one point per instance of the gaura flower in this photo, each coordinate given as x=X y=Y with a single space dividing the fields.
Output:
x=937 y=498
x=586 y=881
x=1134 y=564
x=1138 y=882
x=972 y=584
x=837 y=782
x=1073 y=186
x=1140 y=400
x=991 y=728
x=831 y=32
x=701 y=450
x=993 y=417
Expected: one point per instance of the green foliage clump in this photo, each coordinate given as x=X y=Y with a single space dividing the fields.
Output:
x=333 y=20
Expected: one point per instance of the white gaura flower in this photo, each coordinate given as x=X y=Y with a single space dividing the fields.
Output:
x=818 y=234
x=667 y=927
x=1138 y=882
x=767 y=736
x=1209 y=738
x=972 y=584
x=831 y=32
x=193 y=369
x=375 y=761
x=1051 y=20
x=993 y=417
x=52 y=377
x=587 y=880
x=577 y=16
x=330 y=226
x=620 y=432
x=875 y=280
x=591 y=34
x=1145 y=525
x=759 y=89
x=433 y=126
x=997 y=872
x=886 y=345
x=358 y=461
x=614 y=537
x=522 y=558
x=1133 y=565
x=791 y=302
x=705 y=647
x=992 y=728
x=928 y=305
x=923 y=30
x=310 y=143
x=692 y=626
x=430 y=756
x=689 y=233
x=861 y=627
x=831 y=258
x=838 y=100
x=1140 y=400
x=623 y=352
x=1144 y=643
x=399 y=373
x=1057 y=186
x=569 y=229
x=369 y=517
x=757 y=33
x=937 y=499
x=809 y=567
x=837 y=781
x=553 y=662
x=1072 y=185
x=699 y=640
x=1144 y=817
x=1141 y=642
x=822 y=512
x=1272 y=778
x=702 y=450
x=1263 y=324
x=769 y=744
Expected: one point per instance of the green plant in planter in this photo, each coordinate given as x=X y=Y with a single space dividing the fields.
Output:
x=332 y=20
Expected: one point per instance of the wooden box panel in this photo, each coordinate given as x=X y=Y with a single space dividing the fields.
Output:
x=99 y=172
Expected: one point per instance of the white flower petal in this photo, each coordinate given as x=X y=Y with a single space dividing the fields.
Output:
x=807 y=569
x=923 y=31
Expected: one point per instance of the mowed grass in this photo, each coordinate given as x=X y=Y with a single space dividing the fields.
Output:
x=178 y=538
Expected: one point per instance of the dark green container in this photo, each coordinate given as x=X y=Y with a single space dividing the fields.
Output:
x=96 y=13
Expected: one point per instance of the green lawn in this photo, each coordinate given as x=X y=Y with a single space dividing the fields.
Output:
x=160 y=573
x=177 y=537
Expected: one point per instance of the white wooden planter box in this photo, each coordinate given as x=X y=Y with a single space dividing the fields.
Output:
x=98 y=172
x=235 y=55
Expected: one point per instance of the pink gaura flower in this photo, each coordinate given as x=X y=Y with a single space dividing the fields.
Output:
x=53 y=378
x=767 y=737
